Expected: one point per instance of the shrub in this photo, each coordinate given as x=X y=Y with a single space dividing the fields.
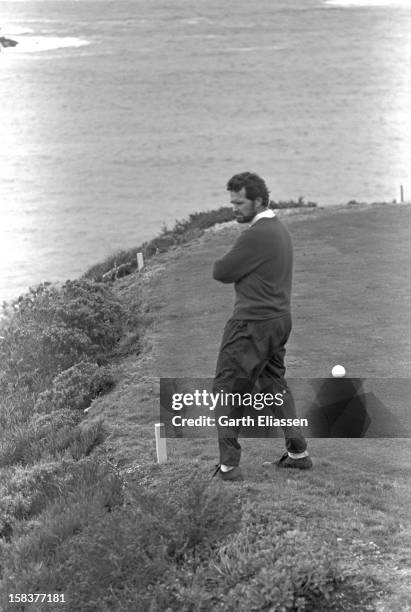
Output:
x=83 y=440
x=291 y=571
x=265 y=565
x=27 y=442
x=25 y=491
x=292 y=204
x=50 y=329
x=75 y=388
x=16 y=409
x=50 y=435
x=28 y=490
x=131 y=555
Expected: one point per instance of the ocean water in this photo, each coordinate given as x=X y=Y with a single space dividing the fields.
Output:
x=119 y=116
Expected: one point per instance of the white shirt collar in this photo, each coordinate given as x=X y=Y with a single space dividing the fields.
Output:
x=268 y=214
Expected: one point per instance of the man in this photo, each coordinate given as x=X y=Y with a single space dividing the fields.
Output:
x=252 y=350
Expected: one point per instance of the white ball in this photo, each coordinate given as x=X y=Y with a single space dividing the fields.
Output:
x=338 y=371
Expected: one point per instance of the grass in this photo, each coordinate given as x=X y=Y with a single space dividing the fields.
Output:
x=86 y=511
x=182 y=542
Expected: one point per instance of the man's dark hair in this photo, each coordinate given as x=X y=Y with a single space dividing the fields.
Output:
x=254 y=185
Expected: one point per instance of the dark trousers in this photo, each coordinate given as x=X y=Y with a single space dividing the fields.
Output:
x=251 y=358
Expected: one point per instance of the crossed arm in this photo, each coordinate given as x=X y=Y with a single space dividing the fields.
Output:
x=244 y=257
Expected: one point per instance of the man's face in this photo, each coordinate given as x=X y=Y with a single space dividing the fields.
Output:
x=244 y=210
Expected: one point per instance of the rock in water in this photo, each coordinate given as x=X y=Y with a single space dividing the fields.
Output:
x=7 y=42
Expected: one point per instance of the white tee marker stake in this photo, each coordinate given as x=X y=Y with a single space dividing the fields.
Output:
x=161 y=443
x=140 y=261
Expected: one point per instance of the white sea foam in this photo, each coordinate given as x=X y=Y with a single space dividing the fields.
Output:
x=34 y=44
x=195 y=20
x=14 y=30
x=368 y=3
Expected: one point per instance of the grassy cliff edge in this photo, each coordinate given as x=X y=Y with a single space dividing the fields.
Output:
x=86 y=512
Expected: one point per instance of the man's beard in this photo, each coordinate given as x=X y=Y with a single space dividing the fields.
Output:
x=244 y=218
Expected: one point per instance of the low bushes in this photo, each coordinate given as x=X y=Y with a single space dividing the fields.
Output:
x=50 y=436
x=26 y=490
x=129 y=552
x=187 y=545
x=300 y=203
x=51 y=342
x=50 y=329
x=263 y=569
x=58 y=500
x=75 y=388
x=267 y=564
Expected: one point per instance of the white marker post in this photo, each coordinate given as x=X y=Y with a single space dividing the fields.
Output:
x=140 y=261
x=161 y=442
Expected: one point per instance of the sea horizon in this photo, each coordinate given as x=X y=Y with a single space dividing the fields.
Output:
x=121 y=117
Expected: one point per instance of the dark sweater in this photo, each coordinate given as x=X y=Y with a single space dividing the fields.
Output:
x=260 y=266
